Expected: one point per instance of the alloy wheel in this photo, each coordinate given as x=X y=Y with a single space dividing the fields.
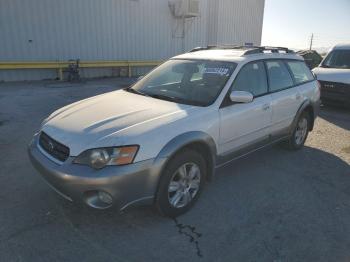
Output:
x=184 y=185
x=301 y=131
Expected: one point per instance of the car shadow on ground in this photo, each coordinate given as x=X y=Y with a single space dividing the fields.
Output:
x=294 y=204
x=339 y=116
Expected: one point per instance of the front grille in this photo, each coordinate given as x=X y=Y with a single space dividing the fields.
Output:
x=334 y=87
x=53 y=148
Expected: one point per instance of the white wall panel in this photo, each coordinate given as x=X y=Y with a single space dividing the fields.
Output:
x=34 y=30
x=240 y=21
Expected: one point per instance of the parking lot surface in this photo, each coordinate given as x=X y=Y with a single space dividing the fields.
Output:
x=274 y=205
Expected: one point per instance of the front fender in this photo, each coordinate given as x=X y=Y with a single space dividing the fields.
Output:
x=183 y=140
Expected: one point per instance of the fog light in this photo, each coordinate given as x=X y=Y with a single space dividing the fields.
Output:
x=105 y=197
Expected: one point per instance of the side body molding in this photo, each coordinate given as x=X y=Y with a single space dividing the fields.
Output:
x=189 y=139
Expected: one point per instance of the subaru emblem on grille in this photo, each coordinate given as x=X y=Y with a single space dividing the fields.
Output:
x=51 y=146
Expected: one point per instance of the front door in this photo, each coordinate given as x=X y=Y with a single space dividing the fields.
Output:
x=244 y=125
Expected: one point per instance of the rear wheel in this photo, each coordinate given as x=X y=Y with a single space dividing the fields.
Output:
x=300 y=133
x=181 y=183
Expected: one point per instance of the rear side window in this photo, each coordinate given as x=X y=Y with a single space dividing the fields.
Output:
x=251 y=78
x=279 y=76
x=300 y=71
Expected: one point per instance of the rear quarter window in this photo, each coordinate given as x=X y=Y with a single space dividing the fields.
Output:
x=300 y=71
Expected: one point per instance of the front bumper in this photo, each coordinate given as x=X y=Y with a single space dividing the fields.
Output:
x=336 y=100
x=125 y=184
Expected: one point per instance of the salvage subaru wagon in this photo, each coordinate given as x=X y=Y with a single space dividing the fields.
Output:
x=160 y=140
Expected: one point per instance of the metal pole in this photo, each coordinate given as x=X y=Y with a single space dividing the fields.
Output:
x=311 y=40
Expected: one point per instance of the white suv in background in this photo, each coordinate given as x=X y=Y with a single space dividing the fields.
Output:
x=334 y=76
x=161 y=139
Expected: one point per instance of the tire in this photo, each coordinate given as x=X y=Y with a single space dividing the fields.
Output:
x=297 y=139
x=171 y=201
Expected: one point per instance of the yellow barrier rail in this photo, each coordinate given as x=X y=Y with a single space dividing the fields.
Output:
x=61 y=65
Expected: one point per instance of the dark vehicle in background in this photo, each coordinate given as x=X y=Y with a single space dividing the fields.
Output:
x=334 y=76
x=311 y=57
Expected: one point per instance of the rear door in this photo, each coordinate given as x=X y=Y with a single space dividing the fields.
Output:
x=243 y=125
x=304 y=79
x=285 y=95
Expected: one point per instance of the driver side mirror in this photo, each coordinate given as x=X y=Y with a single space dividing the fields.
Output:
x=241 y=97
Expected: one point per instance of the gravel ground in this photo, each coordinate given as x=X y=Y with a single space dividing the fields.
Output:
x=274 y=205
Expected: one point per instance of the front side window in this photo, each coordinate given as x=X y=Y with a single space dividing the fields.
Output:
x=251 y=78
x=300 y=71
x=279 y=76
x=337 y=59
x=195 y=82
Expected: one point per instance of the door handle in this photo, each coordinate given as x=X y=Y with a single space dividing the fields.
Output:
x=265 y=107
x=297 y=96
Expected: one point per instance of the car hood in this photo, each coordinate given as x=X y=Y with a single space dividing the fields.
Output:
x=332 y=74
x=86 y=124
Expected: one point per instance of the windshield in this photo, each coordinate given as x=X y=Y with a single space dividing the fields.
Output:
x=337 y=59
x=194 y=82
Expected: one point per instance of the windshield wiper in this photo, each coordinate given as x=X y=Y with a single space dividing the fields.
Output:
x=164 y=97
x=158 y=96
x=336 y=67
x=176 y=99
x=134 y=91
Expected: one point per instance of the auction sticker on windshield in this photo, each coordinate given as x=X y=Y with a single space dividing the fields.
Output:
x=217 y=70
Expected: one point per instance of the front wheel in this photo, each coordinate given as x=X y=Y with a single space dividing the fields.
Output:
x=300 y=132
x=181 y=183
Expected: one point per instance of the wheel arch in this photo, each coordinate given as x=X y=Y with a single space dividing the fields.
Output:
x=310 y=110
x=198 y=141
x=306 y=106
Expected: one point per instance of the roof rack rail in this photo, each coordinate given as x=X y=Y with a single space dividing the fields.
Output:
x=249 y=50
x=200 y=48
x=272 y=49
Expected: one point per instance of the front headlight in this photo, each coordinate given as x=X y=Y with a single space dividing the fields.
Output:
x=100 y=157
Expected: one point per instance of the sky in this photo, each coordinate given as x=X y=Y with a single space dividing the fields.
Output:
x=290 y=23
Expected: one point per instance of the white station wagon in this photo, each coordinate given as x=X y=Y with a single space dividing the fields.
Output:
x=160 y=140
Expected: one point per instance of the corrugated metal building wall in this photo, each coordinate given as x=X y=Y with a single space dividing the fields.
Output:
x=51 y=30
